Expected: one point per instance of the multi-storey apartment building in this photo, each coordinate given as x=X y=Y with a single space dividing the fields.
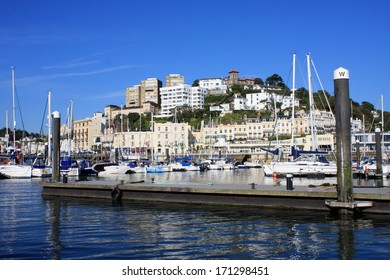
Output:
x=150 y=90
x=250 y=135
x=88 y=132
x=180 y=95
x=147 y=91
x=163 y=140
x=174 y=80
x=133 y=96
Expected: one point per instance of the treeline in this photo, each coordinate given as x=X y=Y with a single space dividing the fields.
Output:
x=20 y=134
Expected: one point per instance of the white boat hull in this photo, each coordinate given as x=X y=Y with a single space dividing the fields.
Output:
x=300 y=168
x=115 y=170
x=71 y=172
x=177 y=166
x=138 y=169
x=253 y=164
x=42 y=172
x=221 y=166
x=15 y=171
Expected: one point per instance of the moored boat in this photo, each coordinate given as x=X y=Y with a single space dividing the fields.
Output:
x=40 y=169
x=12 y=170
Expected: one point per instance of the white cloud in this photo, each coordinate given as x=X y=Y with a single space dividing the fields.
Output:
x=35 y=79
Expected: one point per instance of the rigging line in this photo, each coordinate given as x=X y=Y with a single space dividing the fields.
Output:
x=288 y=79
x=322 y=88
x=375 y=114
x=302 y=75
x=318 y=96
x=43 y=120
x=21 y=118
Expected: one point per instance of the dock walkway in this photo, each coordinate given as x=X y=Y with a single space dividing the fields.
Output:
x=277 y=196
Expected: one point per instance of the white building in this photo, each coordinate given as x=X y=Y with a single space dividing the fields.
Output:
x=356 y=125
x=287 y=102
x=258 y=101
x=180 y=95
x=221 y=108
x=214 y=85
x=197 y=97
x=239 y=102
x=262 y=100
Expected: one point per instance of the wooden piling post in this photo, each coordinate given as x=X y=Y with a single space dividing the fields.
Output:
x=345 y=203
x=343 y=135
x=378 y=150
x=56 y=146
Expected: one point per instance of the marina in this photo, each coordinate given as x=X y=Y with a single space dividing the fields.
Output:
x=150 y=138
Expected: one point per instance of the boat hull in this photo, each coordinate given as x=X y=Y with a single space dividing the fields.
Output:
x=42 y=172
x=15 y=171
x=300 y=169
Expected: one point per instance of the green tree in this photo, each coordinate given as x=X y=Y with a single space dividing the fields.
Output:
x=259 y=81
x=275 y=80
x=237 y=88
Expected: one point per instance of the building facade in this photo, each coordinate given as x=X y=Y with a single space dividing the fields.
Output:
x=215 y=86
x=150 y=90
x=88 y=132
x=174 y=80
x=175 y=96
x=147 y=91
x=162 y=141
x=234 y=79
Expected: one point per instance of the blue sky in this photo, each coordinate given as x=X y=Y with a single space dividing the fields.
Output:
x=90 y=51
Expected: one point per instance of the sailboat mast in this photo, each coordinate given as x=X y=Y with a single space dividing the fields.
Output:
x=140 y=133
x=383 y=129
x=13 y=106
x=364 y=137
x=70 y=125
x=122 y=137
x=293 y=103
x=49 y=156
x=152 y=128
x=313 y=140
x=6 y=128
x=276 y=120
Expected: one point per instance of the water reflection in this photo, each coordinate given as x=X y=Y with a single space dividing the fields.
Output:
x=53 y=218
x=101 y=230
x=346 y=239
x=36 y=227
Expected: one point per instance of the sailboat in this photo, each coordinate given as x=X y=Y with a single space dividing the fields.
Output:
x=13 y=169
x=370 y=165
x=305 y=163
x=42 y=166
x=134 y=163
x=68 y=165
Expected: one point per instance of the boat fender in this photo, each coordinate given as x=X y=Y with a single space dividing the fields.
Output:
x=116 y=194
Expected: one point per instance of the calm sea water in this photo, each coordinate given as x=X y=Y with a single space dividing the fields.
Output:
x=36 y=227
